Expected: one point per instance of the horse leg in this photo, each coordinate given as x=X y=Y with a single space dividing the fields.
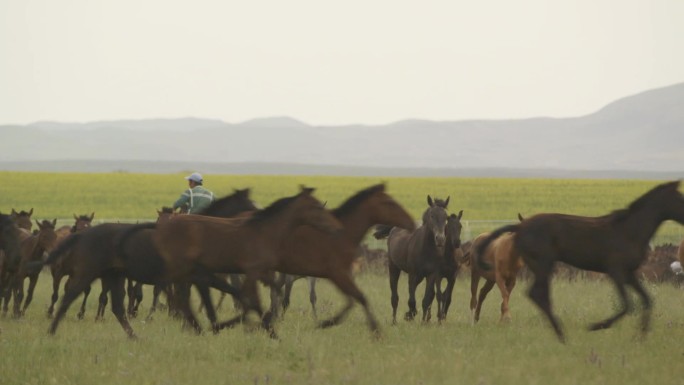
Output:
x=451 y=281
x=501 y=284
x=645 y=299
x=312 y=295
x=33 y=279
x=86 y=293
x=539 y=294
x=56 y=281
x=130 y=291
x=182 y=300
x=289 y=282
x=18 y=297
x=75 y=287
x=236 y=281
x=414 y=280
x=138 y=291
x=474 y=283
x=344 y=282
x=205 y=295
x=157 y=289
x=439 y=294
x=394 y=273
x=619 y=280
x=102 y=300
x=480 y=300
x=116 y=284
x=505 y=311
x=429 y=296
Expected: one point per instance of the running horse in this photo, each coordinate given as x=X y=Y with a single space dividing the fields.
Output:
x=32 y=249
x=615 y=244
x=450 y=264
x=63 y=266
x=313 y=253
x=419 y=253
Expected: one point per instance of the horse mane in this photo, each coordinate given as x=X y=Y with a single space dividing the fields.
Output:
x=46 y=223
x=436 y=206
x=350 y=204
x=441 y=203
x=639 y=203
x=272 y=210
x=167 y=210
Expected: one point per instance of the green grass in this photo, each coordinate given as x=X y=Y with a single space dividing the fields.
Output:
x=523 y=351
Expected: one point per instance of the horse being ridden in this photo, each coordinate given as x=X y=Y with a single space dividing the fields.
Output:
x=615 y=244
x=420 y=253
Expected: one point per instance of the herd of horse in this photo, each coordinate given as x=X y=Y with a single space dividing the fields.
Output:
x=233 y=245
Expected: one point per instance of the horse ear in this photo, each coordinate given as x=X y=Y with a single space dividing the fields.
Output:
x=30 y=212
x=430 y=202
x=460 y=215
x=446 y=202
x=75 y=217
x=158 y=212
x=92 y=216
x=54 y=222
x=520 y=217
x=39 y=225
x=14 y=212
x=306 y=190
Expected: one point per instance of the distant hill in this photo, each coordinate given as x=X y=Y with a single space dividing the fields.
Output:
x=643 y=134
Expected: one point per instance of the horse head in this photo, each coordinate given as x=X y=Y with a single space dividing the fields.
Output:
x=82 y=222
x=22 y=219
x=378 y=206
x=453 y=230
x=47 y=238
x=231 y=205
x=435 y=221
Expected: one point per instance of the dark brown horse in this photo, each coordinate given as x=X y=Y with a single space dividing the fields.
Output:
x=32 y=249
x=419 y=253
x=449 y=266
x=10 y=255
x=63 y=266
x=506 y=263
x=615 y=244
x=312 y=253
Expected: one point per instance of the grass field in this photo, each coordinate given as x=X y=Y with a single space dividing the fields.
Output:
x=485 y=201
x=523 y=351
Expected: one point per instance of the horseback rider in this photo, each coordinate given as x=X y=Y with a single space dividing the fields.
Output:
x=196 y=198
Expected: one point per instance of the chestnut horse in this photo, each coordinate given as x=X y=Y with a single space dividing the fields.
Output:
x=62 y=267
x=615 y=244
x=506 y=265
x=312 y=253
x=419 y=253
x=192 y=243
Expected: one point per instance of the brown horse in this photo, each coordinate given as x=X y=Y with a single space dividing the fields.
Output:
x=419 y=253
x=615 y=244
x=449 y=267
x=312 y=253
x=63 y=266
x=506 y=265
x=10 y=254
x=32 y=249
x=251 y=247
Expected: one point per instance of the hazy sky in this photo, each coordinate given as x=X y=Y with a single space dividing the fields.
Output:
x=331 y=62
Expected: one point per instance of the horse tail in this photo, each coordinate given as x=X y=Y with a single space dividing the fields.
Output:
x=128 y=233
x=482 y=247
x=382 y=231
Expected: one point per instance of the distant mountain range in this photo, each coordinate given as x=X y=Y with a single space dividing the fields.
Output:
x=637 y=136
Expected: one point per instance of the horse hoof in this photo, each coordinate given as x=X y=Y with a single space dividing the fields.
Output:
x=81 y=315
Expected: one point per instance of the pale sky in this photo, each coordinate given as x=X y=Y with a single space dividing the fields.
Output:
x=331 y=62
